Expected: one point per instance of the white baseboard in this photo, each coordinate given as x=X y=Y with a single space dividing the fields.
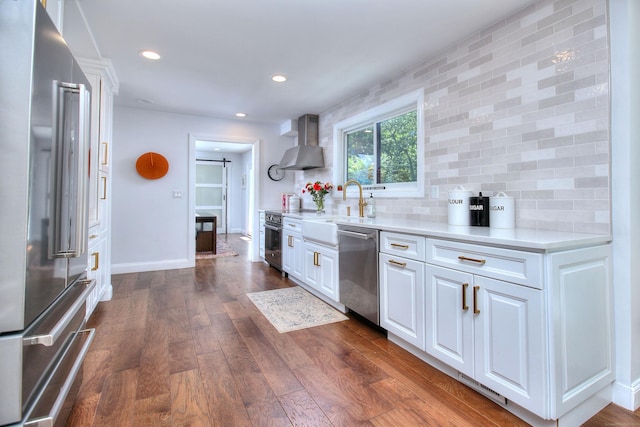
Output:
x=627 y=396
x=138 y=267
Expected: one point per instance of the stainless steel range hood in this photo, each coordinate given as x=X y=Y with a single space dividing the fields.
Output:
x=307 y=154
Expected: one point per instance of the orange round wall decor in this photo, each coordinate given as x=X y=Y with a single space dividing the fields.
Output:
x=152 y=165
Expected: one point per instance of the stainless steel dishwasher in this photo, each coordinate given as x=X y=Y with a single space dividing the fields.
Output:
x=358 y=261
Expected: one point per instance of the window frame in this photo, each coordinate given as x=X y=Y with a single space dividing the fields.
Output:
x=403 y=104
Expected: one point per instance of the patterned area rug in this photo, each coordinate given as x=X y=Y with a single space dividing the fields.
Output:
x=222 y=250
x=290 y=309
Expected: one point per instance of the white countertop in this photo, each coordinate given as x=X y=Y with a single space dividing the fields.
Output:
x=517 y=238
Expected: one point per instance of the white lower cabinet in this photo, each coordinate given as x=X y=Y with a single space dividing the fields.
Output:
x=321 y=269
x=402 y=298
x=292 y=248
x=535 y=328
x=490 y=330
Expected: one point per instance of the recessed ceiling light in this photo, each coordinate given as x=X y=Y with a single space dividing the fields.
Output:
x=241 y=115
x=149 y=54
x=278 y=78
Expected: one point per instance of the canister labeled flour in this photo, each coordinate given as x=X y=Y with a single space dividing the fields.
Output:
x=502 y=212
x=458 y=206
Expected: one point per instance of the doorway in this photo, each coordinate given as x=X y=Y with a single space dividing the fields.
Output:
x=242 y=187
x=212 y=191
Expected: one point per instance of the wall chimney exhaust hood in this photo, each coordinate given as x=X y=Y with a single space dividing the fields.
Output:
x=307 y=154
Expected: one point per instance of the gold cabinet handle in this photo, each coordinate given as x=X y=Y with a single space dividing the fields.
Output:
x=105 y=158
x=93 y=236
x=293 y=225
x=479 y=261
x=476 y=310
x=96 y=261
x=398 y=263
x=316 y=259
x=465 y=307
x=290 y=241
x=399 y=246
x=104 y=188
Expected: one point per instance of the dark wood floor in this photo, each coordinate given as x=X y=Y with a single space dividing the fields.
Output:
x=188 y=348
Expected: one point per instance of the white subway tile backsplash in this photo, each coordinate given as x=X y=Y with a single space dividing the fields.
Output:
x=521 y=107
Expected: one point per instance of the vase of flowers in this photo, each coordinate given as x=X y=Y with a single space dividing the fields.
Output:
x=318 y=191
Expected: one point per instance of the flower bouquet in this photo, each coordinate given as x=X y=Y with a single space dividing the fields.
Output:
x=317 y=191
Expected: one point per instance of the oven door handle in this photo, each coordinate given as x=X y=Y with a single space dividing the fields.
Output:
x=52 y=336
x=271 y=227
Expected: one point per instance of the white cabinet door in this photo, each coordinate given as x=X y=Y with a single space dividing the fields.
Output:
x=321 y=269
x=297 y=264
x=311 y=271
x=292 y=254
x=328 y=264
x=402 y=298
x=287 y=251
x=449 y=317
x=510 y=346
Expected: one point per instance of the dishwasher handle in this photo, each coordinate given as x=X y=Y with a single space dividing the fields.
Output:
x=362 y=236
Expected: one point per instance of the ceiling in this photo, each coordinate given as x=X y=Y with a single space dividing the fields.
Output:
x=217 y=57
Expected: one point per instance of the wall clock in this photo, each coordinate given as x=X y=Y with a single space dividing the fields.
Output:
x=152 y=165
x=275 y=172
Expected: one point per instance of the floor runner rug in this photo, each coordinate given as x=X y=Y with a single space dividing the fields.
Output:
x=222 y=250
x=290 y=309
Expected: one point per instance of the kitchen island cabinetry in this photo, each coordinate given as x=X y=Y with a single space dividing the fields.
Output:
x=402 y=303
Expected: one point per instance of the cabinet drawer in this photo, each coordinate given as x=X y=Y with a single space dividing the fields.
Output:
x=520 y=267
x=292 y=224
x=404 y=245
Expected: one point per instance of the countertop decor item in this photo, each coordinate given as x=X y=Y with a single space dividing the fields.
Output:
x=318 y=191
x=152 y=165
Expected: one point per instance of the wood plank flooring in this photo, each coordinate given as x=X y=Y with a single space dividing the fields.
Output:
x=188 y=348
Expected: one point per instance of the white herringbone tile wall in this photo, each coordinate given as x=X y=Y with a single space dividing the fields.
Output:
x=521 y=107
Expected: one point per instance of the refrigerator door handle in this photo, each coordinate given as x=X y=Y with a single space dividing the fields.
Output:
x=71 y=159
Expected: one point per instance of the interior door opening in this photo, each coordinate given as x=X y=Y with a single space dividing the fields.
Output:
x=232 y=193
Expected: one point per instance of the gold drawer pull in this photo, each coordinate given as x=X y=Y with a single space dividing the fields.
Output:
x=465 y=307
x=290 y=241
x=93 y=236
x=398 y=263
x=479 y=261
x=399 y=246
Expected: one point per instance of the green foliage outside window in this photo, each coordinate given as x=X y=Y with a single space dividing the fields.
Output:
x=385 y=152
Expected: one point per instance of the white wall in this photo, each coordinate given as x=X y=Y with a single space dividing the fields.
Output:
x=149 y=226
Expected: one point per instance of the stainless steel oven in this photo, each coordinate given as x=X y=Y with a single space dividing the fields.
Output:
x=273 y=238
x=44 y=129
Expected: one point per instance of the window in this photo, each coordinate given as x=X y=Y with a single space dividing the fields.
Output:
x=383 y=148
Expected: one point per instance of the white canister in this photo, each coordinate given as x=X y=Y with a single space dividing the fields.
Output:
x=458 y=206
x=502 y=211
x=294 y=203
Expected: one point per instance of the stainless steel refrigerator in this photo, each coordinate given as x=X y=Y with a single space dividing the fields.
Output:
x=44 y=140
